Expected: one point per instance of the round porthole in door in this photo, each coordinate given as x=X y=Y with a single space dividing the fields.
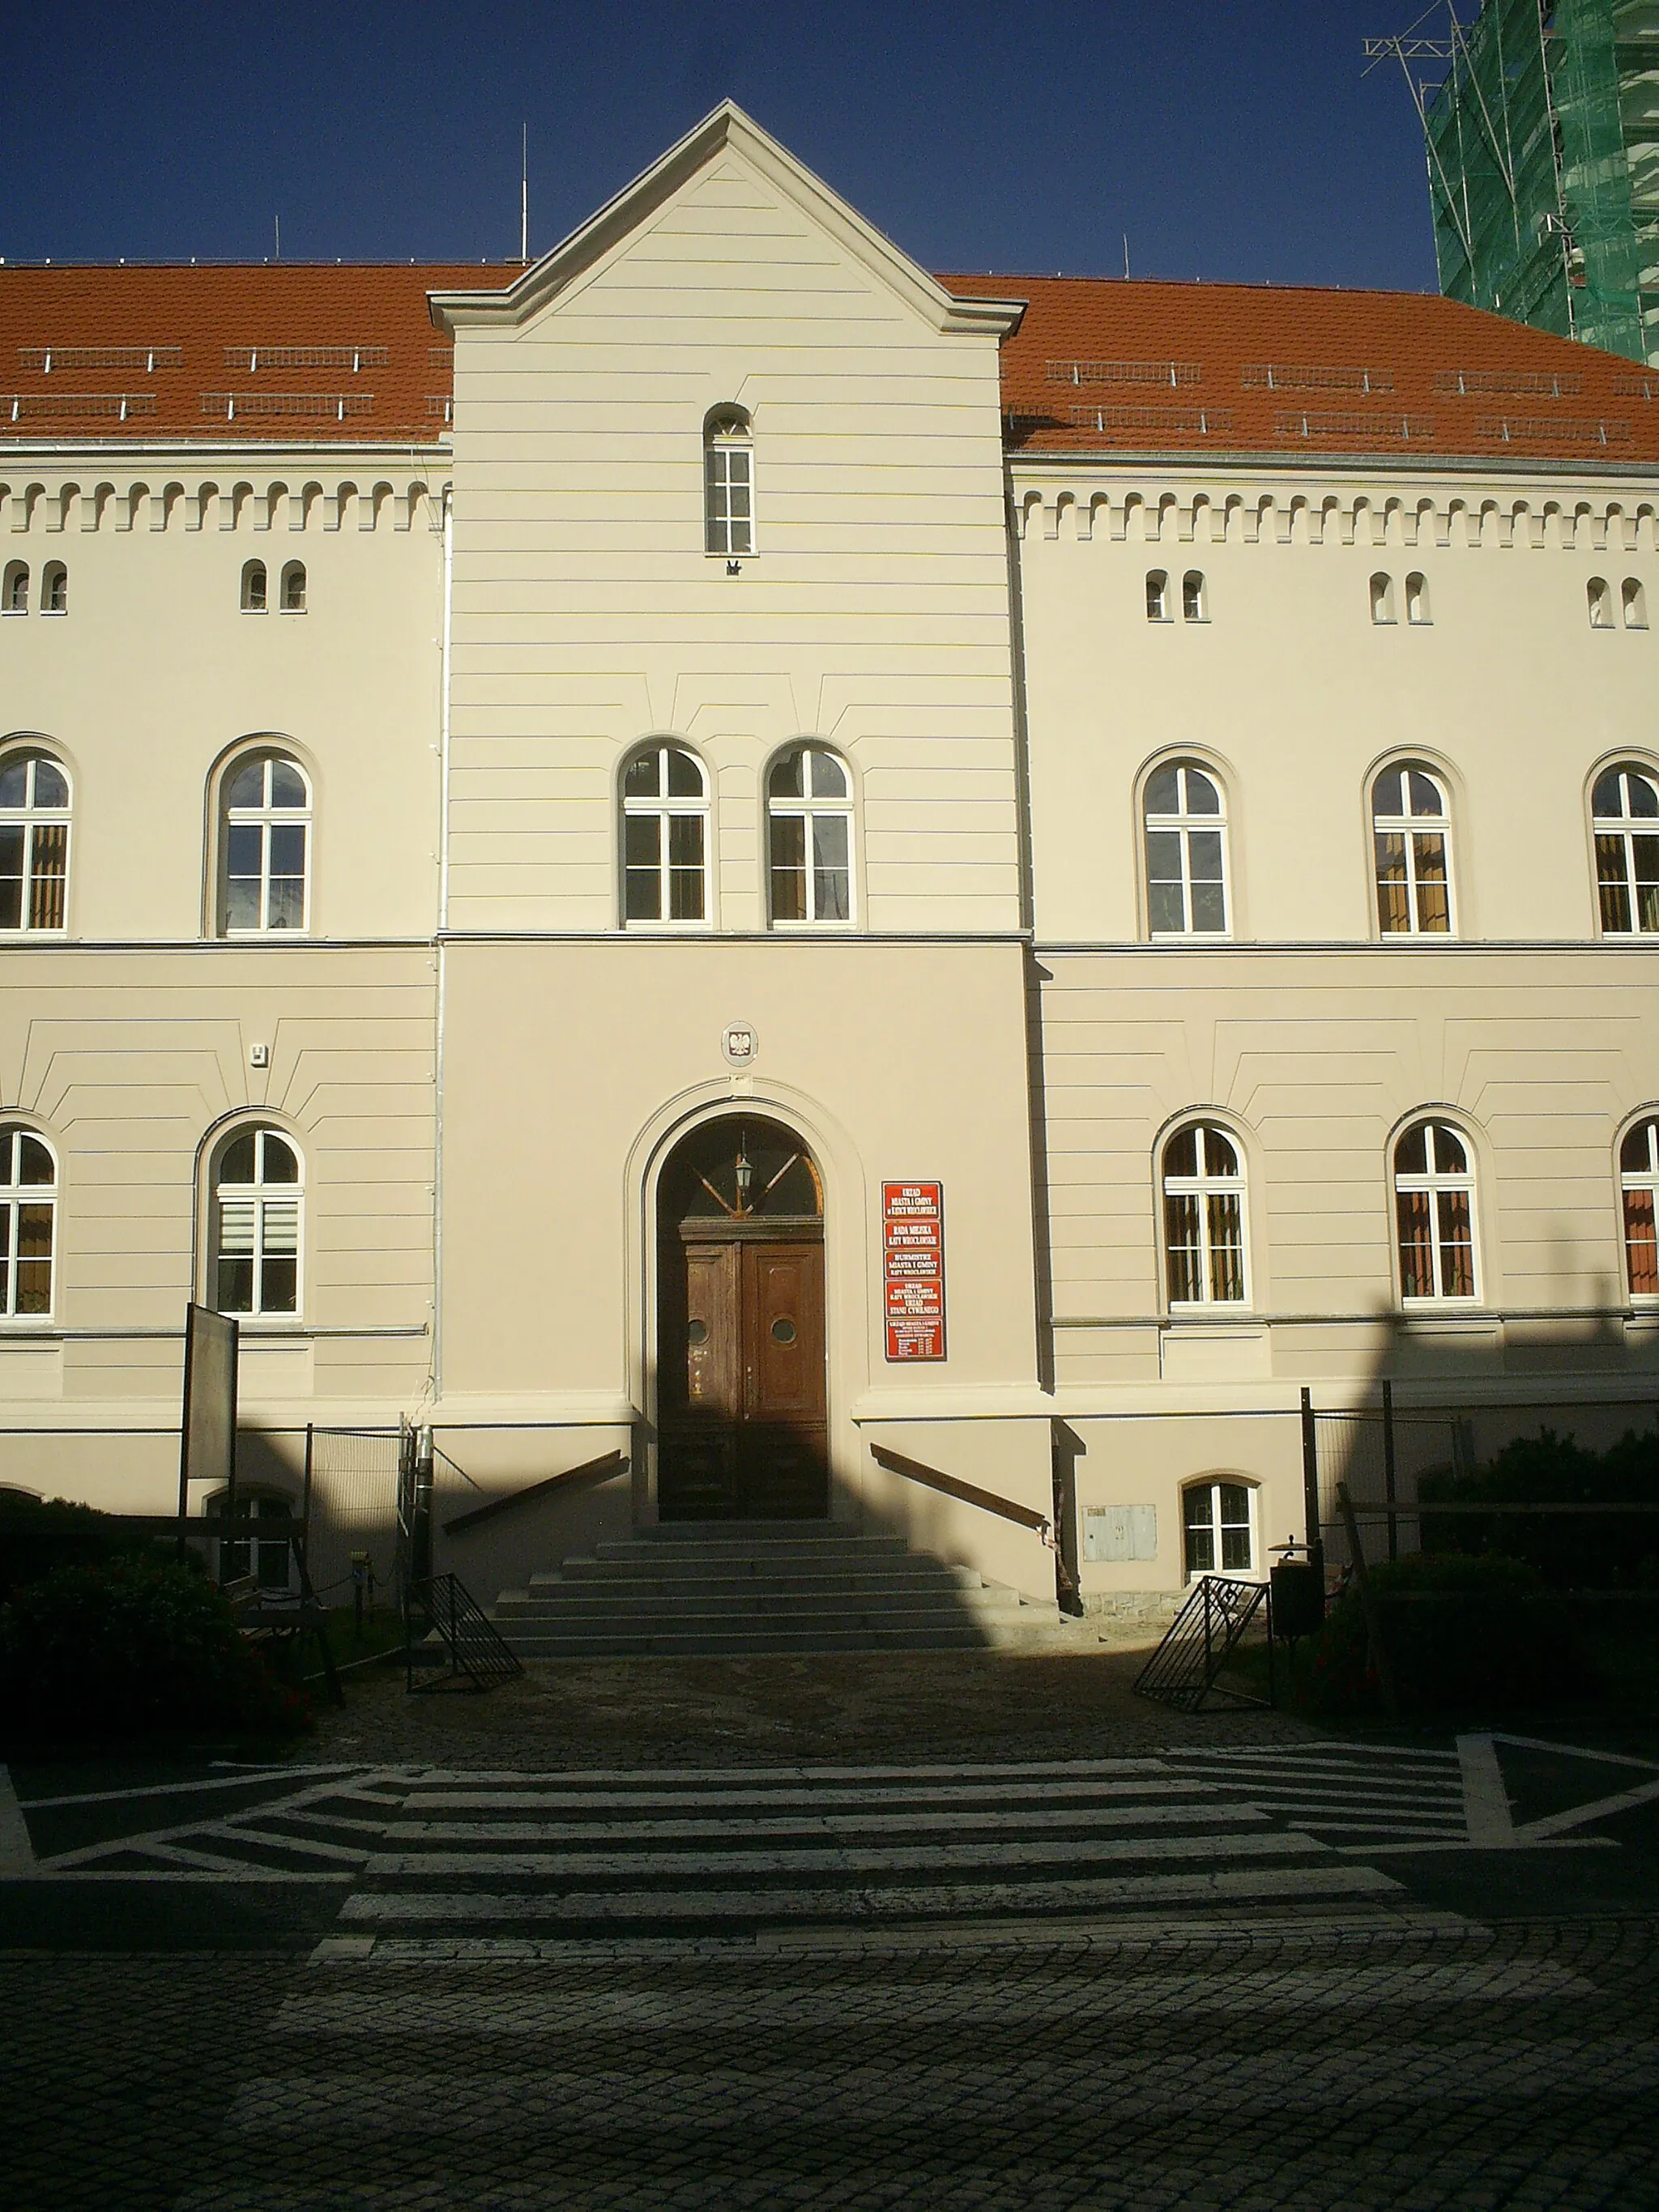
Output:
x=783 y=1330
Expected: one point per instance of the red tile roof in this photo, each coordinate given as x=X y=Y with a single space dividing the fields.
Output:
x=302 y=351
x=1103 y=363
x=293 y=351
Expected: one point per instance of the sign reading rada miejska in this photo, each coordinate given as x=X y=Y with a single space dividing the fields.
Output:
x=912 y=1268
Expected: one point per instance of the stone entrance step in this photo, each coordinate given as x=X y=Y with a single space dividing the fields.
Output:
x=755 y=1588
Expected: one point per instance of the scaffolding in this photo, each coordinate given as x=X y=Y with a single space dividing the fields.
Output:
x=1542 y=141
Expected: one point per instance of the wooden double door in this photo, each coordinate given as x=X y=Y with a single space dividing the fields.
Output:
x=741 y=1422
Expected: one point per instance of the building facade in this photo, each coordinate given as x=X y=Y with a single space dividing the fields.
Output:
x=829 y=891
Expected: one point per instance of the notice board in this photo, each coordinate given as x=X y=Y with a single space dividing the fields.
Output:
x=912 y=1268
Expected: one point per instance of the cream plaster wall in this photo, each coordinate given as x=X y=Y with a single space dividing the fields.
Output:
x=587 y=614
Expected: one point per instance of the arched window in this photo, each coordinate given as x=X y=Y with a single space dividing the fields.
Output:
x=1218 y=1521
x=1195 y=600
x=1636 y=604
x=34 y=828
x=665 y=836
x=728 y=483
x=253 y=587
x=809 y=805
x=1382 y=598
x=1434 y=1207
x=293 y=601
x=54 y=589
x=1186 y=827
x=29 y=1208
x=1625 y=810
x=1411 y=825
x=1600 y=603
x=1158 y=596
x=1417 y=599
x=15 y=589
x=1638 y=1190
x=266 y=843
x=1203 y=1183
x=256 y=1200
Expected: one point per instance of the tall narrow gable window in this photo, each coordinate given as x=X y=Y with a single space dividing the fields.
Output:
x=1411 y=826
x=728 y=483
x=1204 y=1218
x=266 y=839
x=1639 y=1189
x=1434 y=1206
x=34 y=829
x=665 y=837
x=256 y=1200
x=809 y=803
x=1186 y=827
x=28 y=1222
x=1625 y=805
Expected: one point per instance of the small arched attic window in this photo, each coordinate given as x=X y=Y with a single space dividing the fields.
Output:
x=728 y=482
x=254 y=588
x=1599 y=599
x=293 y=601
x=1635 y=603
x=54 y=589
x=1416 y=600
x=15 y=589
x=1195 y=598
x=1158 y=596
x=1382 y=598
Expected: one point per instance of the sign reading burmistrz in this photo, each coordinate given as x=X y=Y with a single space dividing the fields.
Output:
x=912 y=1268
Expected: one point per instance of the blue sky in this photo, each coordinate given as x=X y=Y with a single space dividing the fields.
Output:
x=1229 y=138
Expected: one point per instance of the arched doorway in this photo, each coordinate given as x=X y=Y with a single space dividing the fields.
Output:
x=741 y=1422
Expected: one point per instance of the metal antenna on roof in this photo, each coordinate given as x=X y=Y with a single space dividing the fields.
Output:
x=524 y=194
x=277 y=220
x=1126 y=252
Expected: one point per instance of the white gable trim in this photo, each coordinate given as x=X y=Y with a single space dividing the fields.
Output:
x=727 y=126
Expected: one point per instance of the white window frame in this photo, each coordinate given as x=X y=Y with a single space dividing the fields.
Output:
x=1436 y=1182
x=1408 y=827
x=264 y=817
x=1158 y=596
x=1185 y=825
x=1195 y=597
x=249 y=602
x=1213 y=1485
x=810 y=809
x=1207 y=1189
x=1626 y=827
x=32 y=819
x=666 y=807
x=15 y=588
x=54 y=589
x=1640 y=1181
x=291 y=590
x=15 y=1196
x=264 y=1197
x=728 y=468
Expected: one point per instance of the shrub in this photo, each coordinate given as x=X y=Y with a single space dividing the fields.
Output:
x=1583 y=1550
x=129 y=1646
x=1482 y=1630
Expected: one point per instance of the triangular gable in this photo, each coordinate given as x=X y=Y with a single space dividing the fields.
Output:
x=634 y=206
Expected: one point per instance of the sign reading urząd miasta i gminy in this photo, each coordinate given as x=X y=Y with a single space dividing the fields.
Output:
x=912 y=1268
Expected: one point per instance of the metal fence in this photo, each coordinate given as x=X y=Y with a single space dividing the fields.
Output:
x=350 y=1508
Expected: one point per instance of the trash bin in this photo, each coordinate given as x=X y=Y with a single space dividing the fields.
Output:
x=1298 y=1595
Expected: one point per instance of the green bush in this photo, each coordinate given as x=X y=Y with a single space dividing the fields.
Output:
x=1569 y=1550
x=1459 y=1631
x=128 y=1646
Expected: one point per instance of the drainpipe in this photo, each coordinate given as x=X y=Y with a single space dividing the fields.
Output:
x=443 y=923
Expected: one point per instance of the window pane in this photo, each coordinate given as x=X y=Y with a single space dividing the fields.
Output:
x=50 y=861
x=1165 y=911
x=1610 y=869
x=247 y=787
x=280 y=1162
x=1640 y=1247
x=1636 y=1155
x=1209 y=910
x=288 y=848
x=1392 y=898
x=1220 y=1156
x=1205 y=847
x=1226 y=1247
x=1198 y=1516
x=15 y=780
x=236 y=1165
x=1181 y=1154
x=33 y=1161
x=831 y=883
x=1235 y=1500
x=1646 y=855
x=1643 y=794
x=1180 y=1220
x=5 y=1259
x=279 y=1287
x=785 y=780
x=1411 y=1155
x=640 y=780
x=285 y=906
x=11 y=876
x=1161 y=792
x=684 y=775
x=242 y=903
x=829 y=776
x=50 y=787
x=288 y=786
x=685 y=867
x=1202 y=797
x=1449 y=1156
x=788 y=867
x=1425 y=799
x=1433 y=903
x=1416 y=1257
x=1456 y=1246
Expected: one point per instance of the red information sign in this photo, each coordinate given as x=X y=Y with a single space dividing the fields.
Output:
x=912 y=1268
